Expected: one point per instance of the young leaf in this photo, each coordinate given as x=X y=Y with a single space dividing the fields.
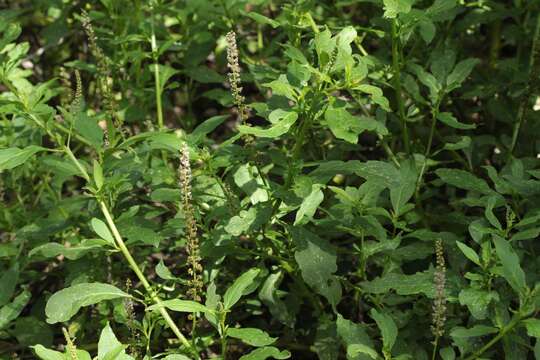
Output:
x=533 y=327
x=179 y=305
x=388 y=329
x=251 y=336
x=449 y=119
x=393 y=8
x=357 y=349
x=102 y=230
x=239 y=287
x=109 y=348
x=511 y=270
x=11 y=311
x=460 y=73
x=469 y=253
x=66 y=302
x=347 y=127
x=309 y=205
x=98 y=175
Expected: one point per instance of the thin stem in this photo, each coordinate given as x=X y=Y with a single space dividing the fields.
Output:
x=157 y=80
x=133 y=264
x=397 y=83
x=534 y=69
x=515 y=321
x=435 y=344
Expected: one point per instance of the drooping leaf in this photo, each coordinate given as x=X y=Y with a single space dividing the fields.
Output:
x=13 y=157
x=449 y=119
x=388 y=329
x=65 y=303
x=239 y=287
x=511 y=269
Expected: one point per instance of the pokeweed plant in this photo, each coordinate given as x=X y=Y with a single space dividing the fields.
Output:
x=269 y=179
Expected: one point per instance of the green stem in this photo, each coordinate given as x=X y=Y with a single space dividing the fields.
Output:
x=397 y=83
x=435 y=344
x=159 y=109
x=515 y=321
x=133 y=264
x=534 y=71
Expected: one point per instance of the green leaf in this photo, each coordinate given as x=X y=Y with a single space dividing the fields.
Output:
x=469 y=253
x=270 y=296
x=393 y=8
x=102 y=230
x=176 y=357
x=309 y=205
x=261 y=19
x=388 y=329
x=50 y=250
x=239 y=287
x=163 y=271
x=98 y=175
x=109 y=348
x=462 y=143
x=11 y=311
x=357 y=349
x=47 y=354
x=421 y=282
x=265 y=353
x=89 y=129
x=533 y=327
x=13 y=157
x=448 y=119
x=317 y=261
x=347 y=127
x=8 y=282
x=475 y=331
x=400 y=194
x=460 y=73
x=179 y=305
x=251 y=336
x=281 y=87
x=464 y=180
x=250 y=181
x=477 y=300
x=65 y=303
x=282 y=126
x=380 y=172
x=492 y=200
x=206 y=127
x=511 y=270
x=165 y=73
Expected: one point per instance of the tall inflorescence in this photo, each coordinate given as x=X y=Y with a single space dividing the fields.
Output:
x=234 y=74
x=71 y=348
x=439 y=304
x=195 y=283
x=104 y=70
x=76 y=101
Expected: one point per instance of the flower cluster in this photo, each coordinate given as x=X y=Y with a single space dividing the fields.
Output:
x=194 y=260
x=439 y=304
x=234 y=73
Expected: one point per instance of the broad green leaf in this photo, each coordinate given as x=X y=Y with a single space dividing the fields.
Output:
x=11 y=311
x=378 y=98
x=249 y=220
x=419 y=283
x=265 y=353
x=109 y=348
x=400 y=194
x=460 y=73
x=206 y=127
x=427 y=30
x=89 y=129
x=317 y=261
x=102 y=230
x=179 y=305
x=511 y=270
x=13 y=157
x=347 y=127
x=477 y=300
x=8 y=282
x=464 y=180
x=469 y=253
x=269 y=295
x=282 y=87
x=163 y=271
x=51 y=250
x=533 y=327
x=393 y=8
x=67 y=302
x=251 y=336
x=239 y=287
x=360 y=349
x=324 y=46
x=380 y=172
x=46 y=354
x=250 y=181
x=449 y=119
x=388 y=329
x=287 y=119
x=462 y=143
x=354 y=337
x=309 y=205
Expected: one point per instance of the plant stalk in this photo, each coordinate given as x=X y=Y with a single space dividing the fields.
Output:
x=397 y=84
x=515 y=321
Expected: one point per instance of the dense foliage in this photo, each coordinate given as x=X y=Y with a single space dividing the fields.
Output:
x=257 y=179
